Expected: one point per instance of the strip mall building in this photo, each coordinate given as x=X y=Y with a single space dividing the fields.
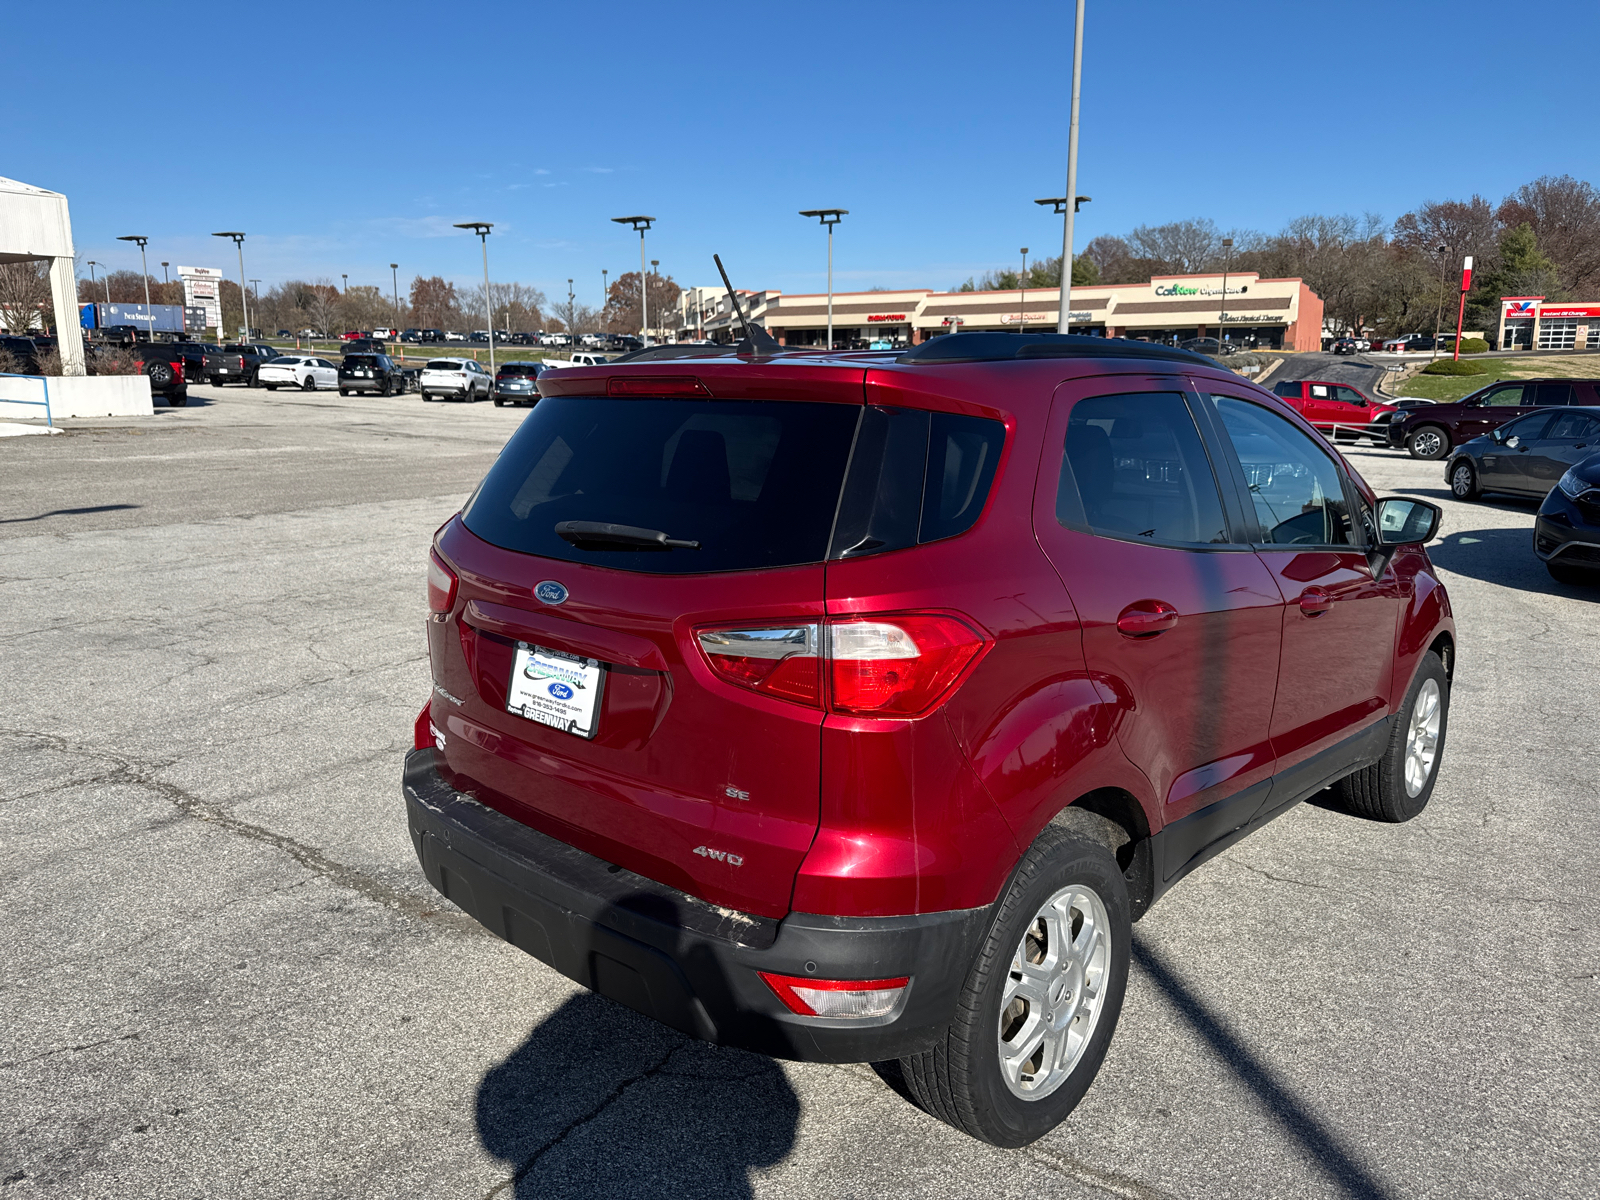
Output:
x=1281 y=314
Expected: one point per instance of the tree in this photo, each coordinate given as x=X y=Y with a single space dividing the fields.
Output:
x=1563 y=214
x=621 y=313
x=434 y=304
x=518 y=308
x=24 y=295
x=1522 y=269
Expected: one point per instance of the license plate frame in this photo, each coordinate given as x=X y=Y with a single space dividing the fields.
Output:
x=539 y=675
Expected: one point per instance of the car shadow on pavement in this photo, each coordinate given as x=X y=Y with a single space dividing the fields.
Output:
x=68 y=512
x=600 y=1102
x=1322 y=1143
x=1502 y=556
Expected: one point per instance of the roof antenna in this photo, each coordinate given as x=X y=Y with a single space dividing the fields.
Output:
x=756 y=339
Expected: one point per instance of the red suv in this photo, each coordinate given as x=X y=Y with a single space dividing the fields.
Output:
x=850 y=707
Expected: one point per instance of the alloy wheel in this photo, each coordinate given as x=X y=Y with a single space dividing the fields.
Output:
x=1461 y=481
x=1054 y=992
x=1422 y=737
x=1427 y=443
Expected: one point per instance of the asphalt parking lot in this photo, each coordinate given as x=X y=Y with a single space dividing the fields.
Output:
x=224 y=974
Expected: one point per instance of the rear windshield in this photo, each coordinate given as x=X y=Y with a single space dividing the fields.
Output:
x=360 y=360
x=284 y=360
x=519 y=369
x=443 y=364
x=756 y=484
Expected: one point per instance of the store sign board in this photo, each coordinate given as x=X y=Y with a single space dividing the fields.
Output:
x=1522 y=307
x=887 y=317
x=1569 y=310
x=1183 y=289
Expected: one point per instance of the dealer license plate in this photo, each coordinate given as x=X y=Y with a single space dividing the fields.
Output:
x=556 y=689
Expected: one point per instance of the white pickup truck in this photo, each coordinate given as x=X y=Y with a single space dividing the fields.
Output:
x=580 y=358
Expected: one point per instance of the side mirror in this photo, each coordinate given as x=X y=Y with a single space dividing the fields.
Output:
x=1513 y=441
x=1405 y=522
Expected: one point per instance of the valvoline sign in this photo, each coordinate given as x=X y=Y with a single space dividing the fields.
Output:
x=1521 y=308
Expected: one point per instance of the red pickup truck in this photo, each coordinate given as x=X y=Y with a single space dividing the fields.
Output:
x=1337 y=409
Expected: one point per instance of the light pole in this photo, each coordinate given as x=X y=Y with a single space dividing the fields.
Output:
x=1222 y=313
x=641 y=224
x=164 y=277
x=1064 y=316
x=572 y=334
x=829 y=217
x=1059 y=205
x=255 y=294
x=92 y=281
x=605 y=298
x=394 y=278
x=238 y=240
x=481 y=228
x=1023 y=280
x=1443 y=252
x=144 y=269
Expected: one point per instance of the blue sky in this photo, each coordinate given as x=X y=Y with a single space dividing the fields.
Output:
x=935 y=125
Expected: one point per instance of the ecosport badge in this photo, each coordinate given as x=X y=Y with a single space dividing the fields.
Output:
x=550 y=592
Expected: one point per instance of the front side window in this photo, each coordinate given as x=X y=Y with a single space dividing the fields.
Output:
x=1349 y=396
x=1295 y=488
x=1509 y=396
x=1133 y=467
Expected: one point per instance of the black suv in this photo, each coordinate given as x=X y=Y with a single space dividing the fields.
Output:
x=515 y=383
x=371 y=373
x=24 y=350
x=364 y=345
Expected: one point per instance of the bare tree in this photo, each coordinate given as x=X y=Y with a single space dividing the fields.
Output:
x=622 y=303
x=1564 y=215
x=24 y=294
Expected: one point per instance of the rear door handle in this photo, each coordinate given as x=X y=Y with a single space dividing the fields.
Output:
x=1146 y=618
x=1314 y=602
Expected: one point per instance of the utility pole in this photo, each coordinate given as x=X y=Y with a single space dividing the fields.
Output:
x=605 y=295
x=641 y=224
x=1438 y=317
x=144 y=270
x=829 y=217
x=394 y=276
x=482 y=228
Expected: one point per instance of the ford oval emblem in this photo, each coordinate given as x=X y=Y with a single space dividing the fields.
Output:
x=550 y=592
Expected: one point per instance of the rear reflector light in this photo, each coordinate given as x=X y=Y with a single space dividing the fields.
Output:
x=422 y=731
x=900 y=665
x=655 y=385
x=859 y=998
x=441 y=585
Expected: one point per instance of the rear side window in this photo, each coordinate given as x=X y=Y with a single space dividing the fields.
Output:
x=916 y=476
x=756 y=484
x=1290 y=390
x=1134 y=467
x=1553 y=393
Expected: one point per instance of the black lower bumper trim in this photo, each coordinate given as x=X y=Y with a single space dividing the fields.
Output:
x=671 y=956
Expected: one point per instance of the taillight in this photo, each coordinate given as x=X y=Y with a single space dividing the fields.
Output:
x=859 y=998
x=422 y=730
x=655 y=385
x=898 y=665
x=178 y=367
x=777 y=662
x=441 y=585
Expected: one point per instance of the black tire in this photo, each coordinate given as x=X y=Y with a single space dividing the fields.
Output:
x=386 y=390
x=161 y=374
x=960 y=1080
x=344 y=391
x=308 y=384
x=1380 y=792
x=1571 y=575
x=178 y=399
x=499 y=401
x=1464 y=481
x=1428 y=442
x=271 y=387
x=426 y=397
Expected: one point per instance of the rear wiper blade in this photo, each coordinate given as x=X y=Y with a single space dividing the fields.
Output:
x=600 y=534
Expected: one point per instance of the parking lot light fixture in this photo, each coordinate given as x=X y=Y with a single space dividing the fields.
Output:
x=1443 y=252
x=165 y=278
x=482 y=228
x=144 y=269
x=394 y=276
x=1059 y=205
x=244 y=301
x=255 y=294
x=829 y=216
x=107 y=280
x=641 y=224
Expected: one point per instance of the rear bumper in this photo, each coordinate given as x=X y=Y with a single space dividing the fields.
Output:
x=363 y=384
x=688 y=964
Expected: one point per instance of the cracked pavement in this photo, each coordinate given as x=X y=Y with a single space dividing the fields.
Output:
x=224 y=973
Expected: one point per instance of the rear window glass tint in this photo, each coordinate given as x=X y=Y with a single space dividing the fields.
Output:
x=519 y=369
x=442 y=364
x=360 y=360
x=756 y=484
x=963 y=453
